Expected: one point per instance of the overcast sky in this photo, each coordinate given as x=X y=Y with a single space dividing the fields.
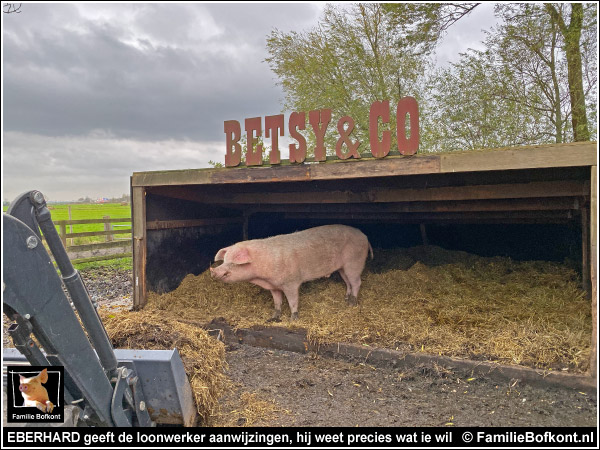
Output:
x=93 y=92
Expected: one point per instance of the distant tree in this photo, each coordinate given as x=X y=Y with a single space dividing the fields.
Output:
x=569 y=31
x=421 y=26
x=215 y=165
x=475 y=107
x=527 y=46
x=345 y=63
x=572 y=33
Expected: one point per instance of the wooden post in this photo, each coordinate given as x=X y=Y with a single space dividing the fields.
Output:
x=585 y=251
x=108 y=227
x=593 y=268
x=70 y=226
x=63 y=234
x=138 y=217
x=424 y=234
x=245 y=227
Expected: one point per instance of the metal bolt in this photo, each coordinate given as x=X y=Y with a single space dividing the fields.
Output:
x=86 y=417
x=142 y=406
x=32 y=242
x=27 y=316
x=38 y=197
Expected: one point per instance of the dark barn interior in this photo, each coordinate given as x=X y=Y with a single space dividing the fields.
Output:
x=525 y=214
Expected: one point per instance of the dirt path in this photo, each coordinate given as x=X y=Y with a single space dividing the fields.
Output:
x=317 y=391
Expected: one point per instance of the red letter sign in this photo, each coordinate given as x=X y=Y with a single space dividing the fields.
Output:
x=297 y=121
x=379 y=149
x=273 y=127
x=253 y=157
x=233 y=154
x=315 y=118
x=407 y=105
x=345 y=139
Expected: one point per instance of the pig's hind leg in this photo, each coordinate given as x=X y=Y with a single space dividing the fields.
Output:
x=352 y=278
x=348 y=285
x=277 y=299
x=291 y=294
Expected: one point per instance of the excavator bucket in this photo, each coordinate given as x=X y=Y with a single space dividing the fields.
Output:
x=166 y=388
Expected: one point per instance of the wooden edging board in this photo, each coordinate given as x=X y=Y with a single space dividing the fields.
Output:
x=281 y=338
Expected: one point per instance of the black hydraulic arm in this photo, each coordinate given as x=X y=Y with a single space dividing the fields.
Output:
x=33 y=296
x=71 y=278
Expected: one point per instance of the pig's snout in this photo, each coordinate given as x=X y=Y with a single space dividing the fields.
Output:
x=213 y=266
x=23 y=388
x=220 y=273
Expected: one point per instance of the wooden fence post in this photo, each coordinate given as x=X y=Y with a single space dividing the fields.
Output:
x=593 y=211
x=138 y=217
x=63 y=234
x=70 y=226
x=424 y=234
x=108 y=227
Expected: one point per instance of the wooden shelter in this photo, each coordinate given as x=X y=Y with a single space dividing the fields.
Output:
x=182 y=217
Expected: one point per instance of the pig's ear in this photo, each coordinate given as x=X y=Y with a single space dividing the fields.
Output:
x=43 y=376
x=221 y=254
x=22 y=379
x=241 y=256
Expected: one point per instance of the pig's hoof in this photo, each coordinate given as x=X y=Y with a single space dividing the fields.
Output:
x=276 y=317
x=352 y=300
x=294 y=316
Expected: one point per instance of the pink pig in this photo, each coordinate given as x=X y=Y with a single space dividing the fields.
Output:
x=282 y=263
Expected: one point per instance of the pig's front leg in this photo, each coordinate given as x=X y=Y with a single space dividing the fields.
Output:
x=291 y=294
x=277 y=299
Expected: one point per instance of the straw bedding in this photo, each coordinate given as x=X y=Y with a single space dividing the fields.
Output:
x=423 y=299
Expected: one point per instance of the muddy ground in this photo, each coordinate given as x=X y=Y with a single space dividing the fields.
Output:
x=319 y=391
x=291 y=389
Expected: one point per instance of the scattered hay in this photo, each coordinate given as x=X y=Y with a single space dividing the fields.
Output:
x=427 y=299
x=203 y=356
x=249 y=409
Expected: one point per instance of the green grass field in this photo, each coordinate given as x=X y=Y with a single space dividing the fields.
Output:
x=93 y=211
x=87 y=211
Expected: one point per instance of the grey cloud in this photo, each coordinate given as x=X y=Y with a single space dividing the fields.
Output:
x=97 y=164
x=158 y=78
